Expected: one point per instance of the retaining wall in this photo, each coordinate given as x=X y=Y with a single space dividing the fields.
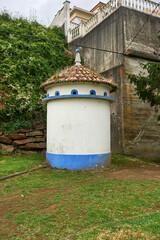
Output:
x=26 y=140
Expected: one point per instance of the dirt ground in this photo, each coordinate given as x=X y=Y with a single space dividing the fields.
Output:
x=145 y=171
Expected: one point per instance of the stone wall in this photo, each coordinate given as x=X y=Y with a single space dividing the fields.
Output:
x=26 y=140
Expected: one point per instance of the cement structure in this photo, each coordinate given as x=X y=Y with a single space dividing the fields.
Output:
x=135 y=129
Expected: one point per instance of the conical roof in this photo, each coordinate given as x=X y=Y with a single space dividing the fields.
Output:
x=78 y=73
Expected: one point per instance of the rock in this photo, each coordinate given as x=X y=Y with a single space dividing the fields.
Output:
x=0 y=133
x=34 y=133
x=6 y=148
x=17 y=136
x=23 y=130
x=21 y=142
x=38 y=139
x=45 y=131
x=4 y=139
x=31 y=146
x=28 y=140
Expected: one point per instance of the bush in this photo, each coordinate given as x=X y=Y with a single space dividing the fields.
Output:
x=26 y=63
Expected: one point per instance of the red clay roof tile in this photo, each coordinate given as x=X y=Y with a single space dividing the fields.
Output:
x=78 y=73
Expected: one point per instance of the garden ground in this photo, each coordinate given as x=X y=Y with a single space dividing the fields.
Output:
x=122 y=202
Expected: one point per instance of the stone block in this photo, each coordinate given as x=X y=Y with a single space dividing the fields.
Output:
x=4 y=139
x=17 y=136
x=21 y=142
x=28 y=140
x=32 y=146
x=34 y=133
x=6 y=148
x=38 y=139
x=23 y=130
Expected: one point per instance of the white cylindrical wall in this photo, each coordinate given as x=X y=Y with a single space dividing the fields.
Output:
x=78 y=126
x=82 y=88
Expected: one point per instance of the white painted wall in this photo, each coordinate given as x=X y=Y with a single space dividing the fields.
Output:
x=58 y=19
x=63 y=17
x=78 y=125
x=66 y=17
x=83 y=88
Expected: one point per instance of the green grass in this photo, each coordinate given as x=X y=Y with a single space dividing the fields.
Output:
x=13 y=163
x=54 y=204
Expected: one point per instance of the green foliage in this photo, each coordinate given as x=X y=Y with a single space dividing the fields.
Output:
x=15 y=163
x=25 y=64
x=147 y=84
x=148 y=87
x=13 y=126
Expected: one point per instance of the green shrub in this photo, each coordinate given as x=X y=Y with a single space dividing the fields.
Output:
x=25 y=64
x=13 y=126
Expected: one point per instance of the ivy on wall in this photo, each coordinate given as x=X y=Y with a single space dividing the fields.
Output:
x=25 y=64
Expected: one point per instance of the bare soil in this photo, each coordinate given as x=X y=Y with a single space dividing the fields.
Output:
x=146 y=172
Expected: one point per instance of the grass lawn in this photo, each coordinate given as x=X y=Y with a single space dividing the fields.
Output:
x=19 y=163
x=122 y=202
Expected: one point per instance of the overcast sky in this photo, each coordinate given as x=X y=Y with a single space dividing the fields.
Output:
x=43 y=10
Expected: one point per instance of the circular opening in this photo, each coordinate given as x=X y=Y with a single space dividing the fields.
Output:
x=74 y=92
x=92 y=92
x=105 y=94
x=57 y=93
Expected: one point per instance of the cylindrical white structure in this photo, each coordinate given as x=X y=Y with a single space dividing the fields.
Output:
x=78 y=124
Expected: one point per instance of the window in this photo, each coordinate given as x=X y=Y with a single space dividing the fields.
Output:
x=74 y=92
x=57 y=93
x=92 y=92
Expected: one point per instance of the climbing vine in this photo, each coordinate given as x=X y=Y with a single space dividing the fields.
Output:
x=25 y=64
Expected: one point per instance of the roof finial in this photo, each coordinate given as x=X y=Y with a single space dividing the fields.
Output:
x=78 y=58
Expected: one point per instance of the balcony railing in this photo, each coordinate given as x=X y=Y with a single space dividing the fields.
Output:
x=145 y=6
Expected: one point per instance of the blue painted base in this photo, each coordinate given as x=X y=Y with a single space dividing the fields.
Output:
x=78 y=162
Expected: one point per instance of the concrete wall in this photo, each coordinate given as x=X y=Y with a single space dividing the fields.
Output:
x=147 y=39
x=107 y=35
x=141 y=128
x=135 y=129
